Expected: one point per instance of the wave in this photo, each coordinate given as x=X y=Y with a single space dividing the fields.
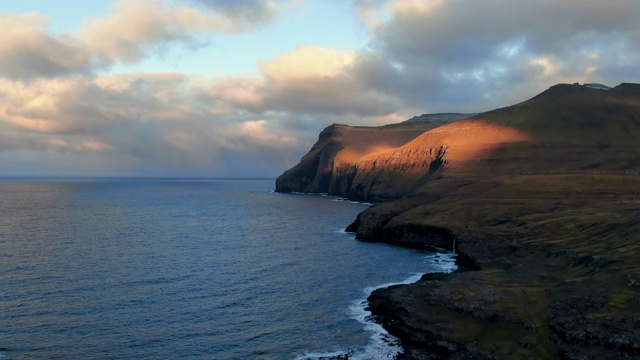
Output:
x=309 y=193
x=334 y=197
x=382 y=345
x=323 y=356
x=338 y=198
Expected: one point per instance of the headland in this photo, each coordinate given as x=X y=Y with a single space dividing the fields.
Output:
x=542 y=202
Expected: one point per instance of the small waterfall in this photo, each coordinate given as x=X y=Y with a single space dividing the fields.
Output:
x=453 y=248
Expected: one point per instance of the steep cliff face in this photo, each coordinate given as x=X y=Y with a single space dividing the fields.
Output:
x=568 y=130
x=380 y=164
x=330 y=165
x=314 y=173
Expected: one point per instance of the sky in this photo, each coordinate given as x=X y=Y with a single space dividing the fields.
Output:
x=241 y=88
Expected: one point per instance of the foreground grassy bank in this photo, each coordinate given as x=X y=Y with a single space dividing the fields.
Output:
x=557 y=273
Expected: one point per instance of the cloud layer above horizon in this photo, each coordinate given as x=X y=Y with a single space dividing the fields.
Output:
x=66 y=111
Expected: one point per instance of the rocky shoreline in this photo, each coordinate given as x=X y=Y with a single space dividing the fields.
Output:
x=512 y=298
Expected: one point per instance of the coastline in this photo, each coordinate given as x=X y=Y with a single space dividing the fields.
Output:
x=532 y=281
x=538 y=288
x=541 y=199
x=530 y=284
x=367 y=317
x=383 y=344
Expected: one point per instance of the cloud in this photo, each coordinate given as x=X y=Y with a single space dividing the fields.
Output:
x=317 y=79
x=137 y=25
x=55 y=105
x=254 y=11
x=28 y=51
x=133 y=32
x=88 y=105
x=470 y=56
x=457 y=55
x=307 y=80
x=141 y=124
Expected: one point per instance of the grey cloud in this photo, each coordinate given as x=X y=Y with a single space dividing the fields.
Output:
x=458 y=27
x=258 y=11
x=137 y=29
x=463 y=55
x=210 y=148
x=308 y=80
x=330 y=96
x=28 y=51
x=147 y=125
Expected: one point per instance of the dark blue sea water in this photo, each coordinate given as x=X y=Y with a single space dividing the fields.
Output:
x=189 y=269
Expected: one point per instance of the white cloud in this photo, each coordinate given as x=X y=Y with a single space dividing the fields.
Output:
x=28 y=51
x=132 y=33
x=137 y=25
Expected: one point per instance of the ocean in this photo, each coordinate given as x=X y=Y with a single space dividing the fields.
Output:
x=189 y=269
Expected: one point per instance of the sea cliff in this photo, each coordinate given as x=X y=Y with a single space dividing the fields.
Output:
x=337 y=163
x=541 y=199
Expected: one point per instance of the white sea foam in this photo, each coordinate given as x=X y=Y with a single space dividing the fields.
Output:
x=335 y=198
x=338 y=198
x=381 y=344
x=309 y=193
x=446 y=261
x=324 y=355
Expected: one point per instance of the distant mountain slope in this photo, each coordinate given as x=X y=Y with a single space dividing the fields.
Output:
x=572 y=128
x=438 y=118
